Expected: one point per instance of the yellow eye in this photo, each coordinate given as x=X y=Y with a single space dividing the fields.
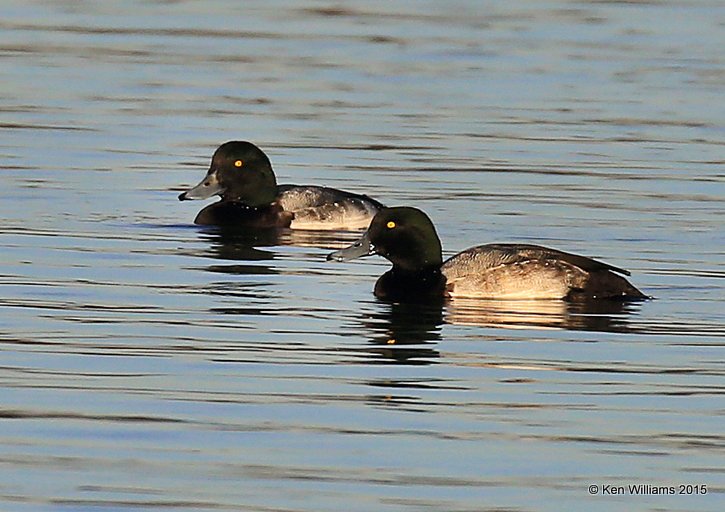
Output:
x=238 y=163
x=391 y=224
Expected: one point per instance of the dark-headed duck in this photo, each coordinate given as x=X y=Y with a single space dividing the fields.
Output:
x=407 y=237
x=242 y=175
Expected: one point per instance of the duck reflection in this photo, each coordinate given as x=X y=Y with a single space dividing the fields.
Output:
x=267 y=237
x=602 y=315
x=239 y=246
x=247 y=245
x=396 y=328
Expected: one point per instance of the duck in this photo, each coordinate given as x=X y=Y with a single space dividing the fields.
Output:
x=407 y=238
x=241 y=174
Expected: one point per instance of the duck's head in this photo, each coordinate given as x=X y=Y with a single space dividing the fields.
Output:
x=403 y=235
x=239 y=171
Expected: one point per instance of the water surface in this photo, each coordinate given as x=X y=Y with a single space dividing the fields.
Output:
x=152 y=364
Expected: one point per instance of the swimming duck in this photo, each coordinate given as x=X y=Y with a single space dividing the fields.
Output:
x=406 y=236
x=242 y=175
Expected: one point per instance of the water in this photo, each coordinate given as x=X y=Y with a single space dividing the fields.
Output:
x=151 y=364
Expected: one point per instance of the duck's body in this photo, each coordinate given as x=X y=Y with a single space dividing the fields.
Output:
x=519 y=271
x=242 y=175
x=296 y=207
x=314 y=206
x=407 y=237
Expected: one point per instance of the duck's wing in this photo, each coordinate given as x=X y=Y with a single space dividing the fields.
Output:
x=326 y=208
x=510 y=272
x=307 y=196
x=531 y=271
x=495 y=255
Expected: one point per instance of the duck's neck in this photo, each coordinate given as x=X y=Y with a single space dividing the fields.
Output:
x=412 y=257
x=261 y=198
x=401 y=283
x=420 y=271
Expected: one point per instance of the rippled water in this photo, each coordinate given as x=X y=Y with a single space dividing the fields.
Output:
x=151 y=364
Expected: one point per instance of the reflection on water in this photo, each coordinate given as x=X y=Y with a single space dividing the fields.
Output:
x=606 y=316
x=224 y=238
x=404 y=333
x=148 y=363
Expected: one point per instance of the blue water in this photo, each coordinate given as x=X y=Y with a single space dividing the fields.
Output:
x=151 y=364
